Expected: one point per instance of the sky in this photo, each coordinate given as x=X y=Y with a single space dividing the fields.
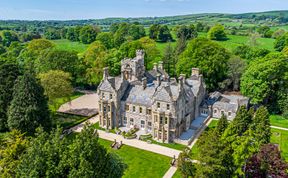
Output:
x=96 y=9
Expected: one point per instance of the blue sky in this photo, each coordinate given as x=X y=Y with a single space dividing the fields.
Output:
x=91 y=9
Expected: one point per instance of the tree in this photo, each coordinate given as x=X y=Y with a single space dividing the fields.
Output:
x=94 y=60
x=264 y=78
x=88 y=34
x=207 y=55
x=97 y=163
x=73 y=34
x=221 y=126
x=56 y=84
x=189 y=32
x=261 y=125
x=9 y=72
x=28 y=109
x=106 y=39
x=236 y=67
x=253 y=39
x=8 y=37
x=164 y=34
x=217 y=33
x=12 y=148
x=52 y=34
x=250 y=53
x=136 y=31
x=278 y=33
x=154 y=31
x=266 y=163
x=169 y=60
x=281 y=42
x=265 y=31
x=55 y=59
x=199 y=27
x=185 y=165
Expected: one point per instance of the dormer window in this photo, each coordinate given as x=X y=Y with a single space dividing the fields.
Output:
x=140 y=109
x=134 y=108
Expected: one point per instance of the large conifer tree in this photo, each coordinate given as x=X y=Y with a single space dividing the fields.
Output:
x=29 y=108
x=8 y=74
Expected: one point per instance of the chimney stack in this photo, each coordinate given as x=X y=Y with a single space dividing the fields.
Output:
x=105 y=73
x=160 y=65
x=195 y=72
x=144 y=82
x=155 y=67
x=180 y=83
x=140 y=54
x=158 y=79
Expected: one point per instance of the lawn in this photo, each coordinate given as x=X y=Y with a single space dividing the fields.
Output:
x=161 y=46
x=177 y=174
x=140 y=163
x=59 y=101
x=67 y=120
x=279 y=121
x=281 y=137
x=64 y=44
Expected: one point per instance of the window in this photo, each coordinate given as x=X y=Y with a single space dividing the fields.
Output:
x=222 y=112
x=131 y=121
x=168 y=106
x=161 y=120
x=124 y=120
x=103 y=95
x=158 y=105
x=215 y=111
x=140 y=109
x=166 y=120
x=127 y=107
x=108 y=108
x=142 y=124
x=155 y=119
x=134 y=108
x=104 y=108
x=111 y=96
x=149 y=125
x=100 y=108
x=229 y=113
x=149 y=111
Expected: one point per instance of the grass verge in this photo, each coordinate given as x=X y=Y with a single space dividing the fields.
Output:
x=279 y=121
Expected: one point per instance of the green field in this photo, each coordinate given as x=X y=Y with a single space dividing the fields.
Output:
x=59 y=101
x=140 y=163
x=177 y=174
x=64 y=44
x=280 y=137
x=278 y=121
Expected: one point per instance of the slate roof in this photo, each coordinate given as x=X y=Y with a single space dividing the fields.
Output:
x=194 y=85
x=136 y=94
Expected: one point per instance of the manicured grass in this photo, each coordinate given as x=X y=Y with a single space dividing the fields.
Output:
x=177 y=174
x=68 y=120
x=279 y=121
x=281 y=137
x=64 y=44
x=59 y=101
x=140 y=163
x=162 y=46
x=175 y=146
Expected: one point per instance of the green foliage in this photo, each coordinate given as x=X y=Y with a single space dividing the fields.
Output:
x=250 y=53
x=9 y=72
x=209 y=56
x=72 y=33
x=136 y=31
x=265 y=31
x=217 y=33
x=56 y=84
x=95 y=60
x=88 y=34
x=187 y=169
x=52 y=33
x=66 y=61
x=281 y=42
x=164 y=34
x=221 y=126
x=261 y=126
x=154 y=31
x=188 y=32
x=8 y=37
x=12 y=148
x=106 y=39
x=28 y=109
x=265 y=79
x=169 y=60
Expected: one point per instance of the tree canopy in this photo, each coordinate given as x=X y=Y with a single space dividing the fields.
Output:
x=217 y=32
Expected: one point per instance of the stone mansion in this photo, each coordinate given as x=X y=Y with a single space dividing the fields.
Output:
x=150 y=100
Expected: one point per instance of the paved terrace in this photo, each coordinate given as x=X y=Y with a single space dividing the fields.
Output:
x=85 y=105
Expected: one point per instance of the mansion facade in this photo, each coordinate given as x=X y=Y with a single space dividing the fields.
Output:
x=150 y=100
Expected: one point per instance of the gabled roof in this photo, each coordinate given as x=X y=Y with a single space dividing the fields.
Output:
x=106 y=85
